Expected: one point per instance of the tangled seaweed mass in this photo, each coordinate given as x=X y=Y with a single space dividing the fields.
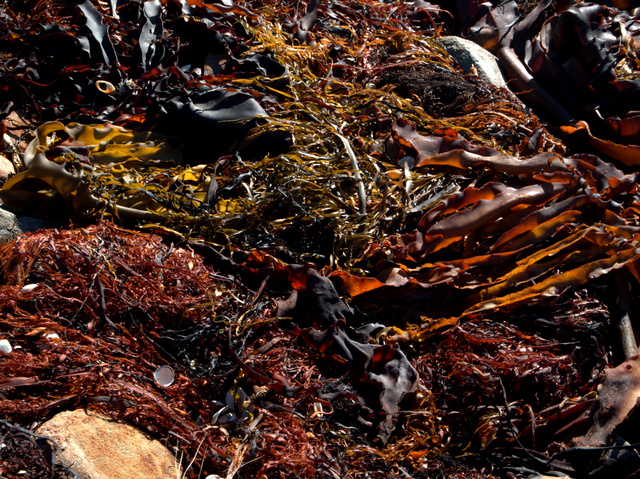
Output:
x=359 y=260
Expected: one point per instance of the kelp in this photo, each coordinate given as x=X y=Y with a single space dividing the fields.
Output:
x=507 y=230
x=617 y=397
x=92 y=312
x=385 y=367
x=572 y=62
x=320 y=110
x=369 y=263
x=105 y=171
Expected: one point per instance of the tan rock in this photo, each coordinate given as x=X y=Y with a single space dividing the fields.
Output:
x=98 y=448
x=6 y=169
x=20 y=126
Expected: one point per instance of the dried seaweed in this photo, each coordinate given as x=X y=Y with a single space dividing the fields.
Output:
x=364 y=263
x=26 y=453
x=92 y=332
x=332 y=178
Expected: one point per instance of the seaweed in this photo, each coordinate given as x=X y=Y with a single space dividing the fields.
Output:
x=356 y=260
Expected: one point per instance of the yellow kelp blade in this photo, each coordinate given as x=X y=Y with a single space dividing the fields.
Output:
x=107 y=145
x=94 y=170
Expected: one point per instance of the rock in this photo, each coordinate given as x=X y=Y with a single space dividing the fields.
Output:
x=11 y=226
x=98 y=448
x=470 y=55
x=6 y=169
x=19 y=129
x=5 y=346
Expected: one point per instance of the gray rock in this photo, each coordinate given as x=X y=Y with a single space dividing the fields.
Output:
x=11 y=225
x=98 y=448
x=470 y=55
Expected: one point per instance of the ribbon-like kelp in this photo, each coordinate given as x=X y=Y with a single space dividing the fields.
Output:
x=576 y=61
x=369 y=263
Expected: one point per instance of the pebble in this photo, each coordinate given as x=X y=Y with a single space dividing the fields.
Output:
x=6 y=169
x=29 y=287
x=5 y=346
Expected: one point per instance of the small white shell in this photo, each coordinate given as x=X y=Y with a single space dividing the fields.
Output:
x=164 y=376
x=5 y=346
x=29 y=287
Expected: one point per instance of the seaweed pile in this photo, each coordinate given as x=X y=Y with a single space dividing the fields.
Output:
x=358 y=261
